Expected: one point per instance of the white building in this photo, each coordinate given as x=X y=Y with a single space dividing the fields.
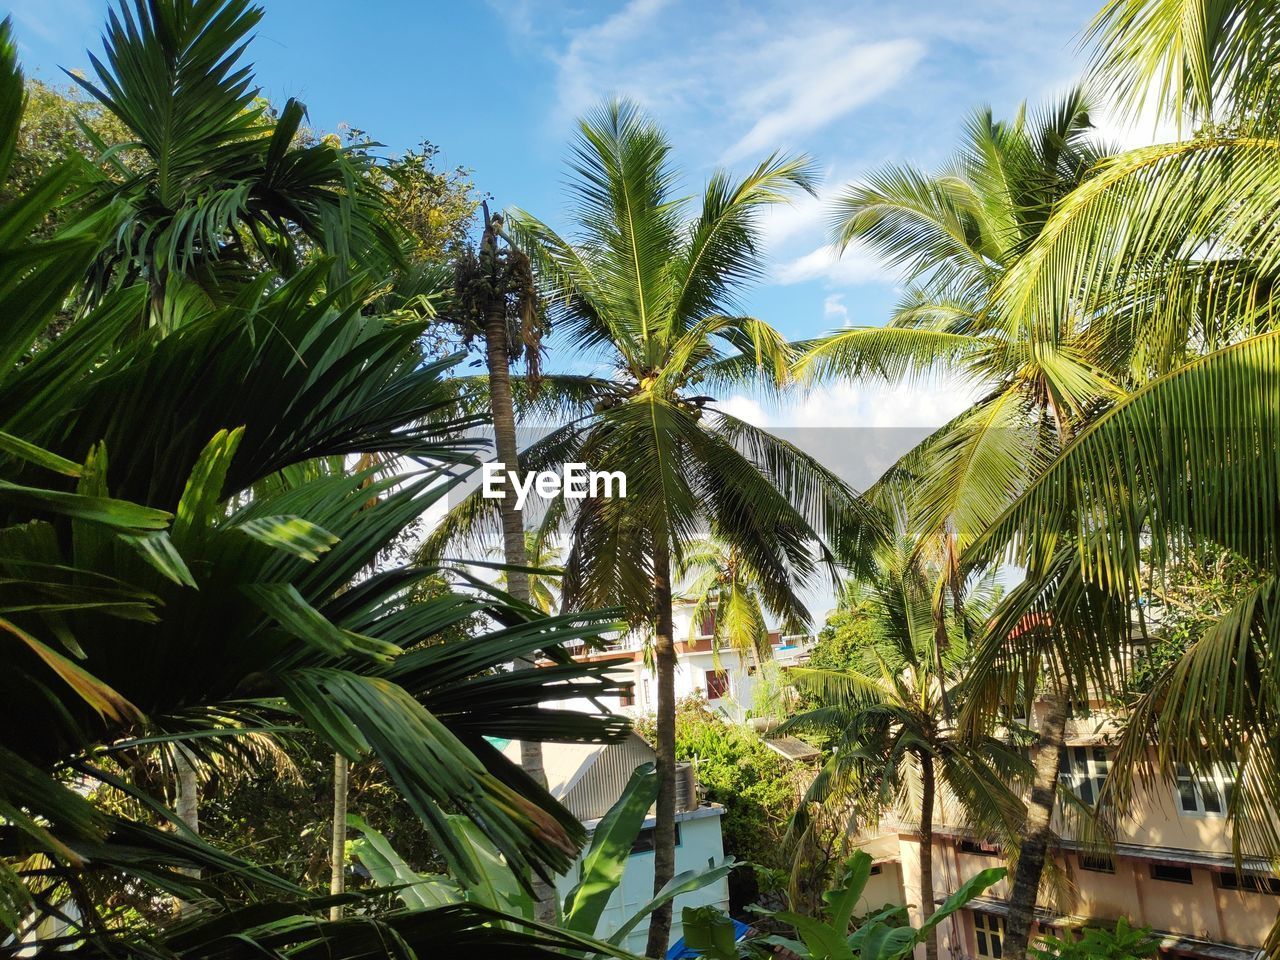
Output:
x=588 y=779
x=732 y=683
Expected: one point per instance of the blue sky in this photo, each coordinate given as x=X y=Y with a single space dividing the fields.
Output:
x=497 y=86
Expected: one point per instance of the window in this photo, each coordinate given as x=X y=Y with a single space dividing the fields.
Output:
x=1083 y=770
x=644 y=840
x=1097 y=863
x=1171 y=874
x=627 y=698
x=707 y=628
x=717 y=684
x=876 y=870
x=1205 y=794
x=988 y=934
x=980 y=847
x=1248 y=882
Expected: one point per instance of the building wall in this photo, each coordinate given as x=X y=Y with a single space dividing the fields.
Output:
x=700 y=846
x=1199 y=910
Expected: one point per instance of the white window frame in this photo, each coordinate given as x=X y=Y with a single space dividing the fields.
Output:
x=1087 y=769
x=1192 y=789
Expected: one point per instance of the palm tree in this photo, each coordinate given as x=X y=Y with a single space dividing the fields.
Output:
x=544 y=572
x=179 y=543
x=892 y=747
x=496 y=300
x=1169 y=252
x=648 y=290
x=959 y=235
x=956 y=234
x=725 y=587
x=222 y=189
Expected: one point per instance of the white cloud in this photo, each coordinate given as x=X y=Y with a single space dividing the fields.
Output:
x=856 y=265
x=777 y=85
x=834 y=311
x=596 y=61
x=864 y=404
x=817 y=79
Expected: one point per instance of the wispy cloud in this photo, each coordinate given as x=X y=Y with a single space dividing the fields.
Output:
x=740 y=81
x=854 y=266
x=599 y=59
x=834 y=311
x=815 y=80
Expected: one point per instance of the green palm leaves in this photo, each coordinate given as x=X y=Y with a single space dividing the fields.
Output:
x=185 y=556
x=223 y=189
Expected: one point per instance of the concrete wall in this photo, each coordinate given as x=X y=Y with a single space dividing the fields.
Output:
x=1200 y=909
x=700 y=845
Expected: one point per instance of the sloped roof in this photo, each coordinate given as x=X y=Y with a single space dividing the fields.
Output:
x=792 y=748
x=566 y=764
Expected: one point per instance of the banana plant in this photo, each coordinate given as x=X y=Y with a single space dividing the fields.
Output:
x=879 y=936
x=494 y=884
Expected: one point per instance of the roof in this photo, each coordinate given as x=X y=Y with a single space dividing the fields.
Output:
x=588 y=778
x=792 y=748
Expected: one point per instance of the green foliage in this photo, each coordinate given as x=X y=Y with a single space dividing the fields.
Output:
x=849 y=640
x=186 y=562
x=496 y=886
x=757 y=787
x=51 y=132
x=1125 y=942
x=611 y=843
x=838 y=935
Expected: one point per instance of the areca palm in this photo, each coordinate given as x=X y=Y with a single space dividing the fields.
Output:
x=222 y=188
x=892 y=747
x=648 y=288
x=179 y=544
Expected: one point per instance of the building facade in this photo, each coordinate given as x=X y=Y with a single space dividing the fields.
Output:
x=588 y=779
x=1171 y=868
x=737 y=686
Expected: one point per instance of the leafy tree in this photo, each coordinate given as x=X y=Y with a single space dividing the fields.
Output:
x=650 y=291
x=51 y=131
x=179 y=557
x=756 y=786
x=849 y=640
x=892 y=747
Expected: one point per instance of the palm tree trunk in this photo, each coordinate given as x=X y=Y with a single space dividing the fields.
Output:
x=1038 y=832
x=927 y=794
x=338 y=847
x=187 y=806
x=664 y=839
x=502 y=409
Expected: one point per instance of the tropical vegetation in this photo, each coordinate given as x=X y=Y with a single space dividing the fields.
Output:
x=230 y=392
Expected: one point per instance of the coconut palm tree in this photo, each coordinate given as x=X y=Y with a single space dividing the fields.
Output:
x=647 y=289
x=544 y=573
x=725 y=588
x=1168 y=252
x=958 y=235
x=893 y=748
